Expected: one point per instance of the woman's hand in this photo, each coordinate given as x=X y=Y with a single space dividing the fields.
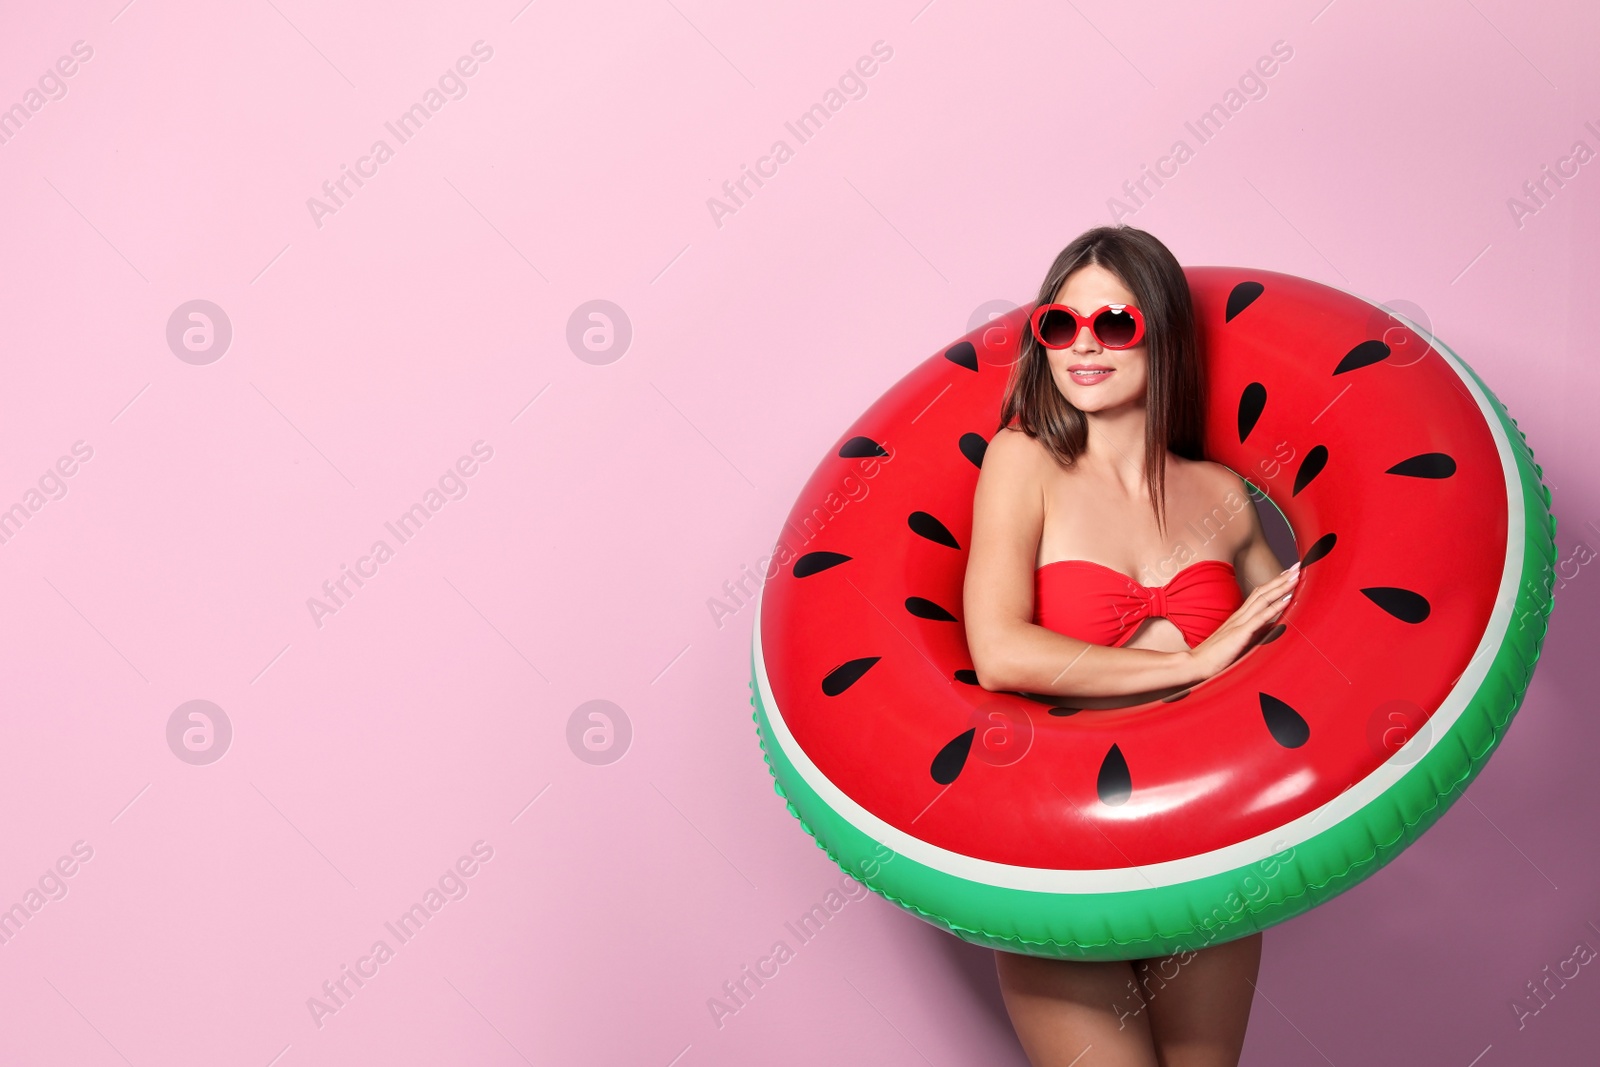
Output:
x=1235 y=636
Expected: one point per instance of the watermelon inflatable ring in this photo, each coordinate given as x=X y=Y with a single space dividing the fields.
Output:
x=1017 y=822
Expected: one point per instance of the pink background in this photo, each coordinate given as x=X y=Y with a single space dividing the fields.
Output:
x=431 y=311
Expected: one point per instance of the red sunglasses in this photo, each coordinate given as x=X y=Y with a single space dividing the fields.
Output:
x=1114 y=326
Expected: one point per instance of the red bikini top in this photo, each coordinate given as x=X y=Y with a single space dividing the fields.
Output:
x=1094 y=603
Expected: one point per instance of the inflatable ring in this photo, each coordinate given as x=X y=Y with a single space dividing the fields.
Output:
x=1017 y=822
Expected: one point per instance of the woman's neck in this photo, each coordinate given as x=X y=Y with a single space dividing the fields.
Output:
x=1116 y=446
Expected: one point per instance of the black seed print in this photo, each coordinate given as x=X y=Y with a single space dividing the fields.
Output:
x=1251 y=403
x=1312 y=466
x=1283 y=722
x=1115 y=784
x=952 y=757
x=1244 y=294
x=847 y=674
x=1362 y=355
x=927 y=609
x=973 y=447
x=963 y=355
x=1427 y=465
x=924 y=525
x=1319 y=548
x=857 y=447
x=814 y=562
x=1403 y=604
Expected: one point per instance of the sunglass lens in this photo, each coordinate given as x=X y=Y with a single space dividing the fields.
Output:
x=1058 y=328
x=1114 y=328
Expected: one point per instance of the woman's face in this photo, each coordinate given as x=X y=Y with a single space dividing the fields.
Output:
x=1086 y=289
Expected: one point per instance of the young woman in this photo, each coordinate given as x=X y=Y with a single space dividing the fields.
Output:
x=1097 y=459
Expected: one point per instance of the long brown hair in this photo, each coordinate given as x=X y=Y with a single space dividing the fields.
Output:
x=1174 y=398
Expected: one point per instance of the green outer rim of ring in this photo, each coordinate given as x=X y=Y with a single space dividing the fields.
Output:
x=1166 y=920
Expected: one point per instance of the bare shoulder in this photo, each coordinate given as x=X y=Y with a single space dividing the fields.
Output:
x=1014 y=445
x=1013 y=455
x=1235 y=493
x=1211 y=477
x=1011 y=478
x=1223 y=478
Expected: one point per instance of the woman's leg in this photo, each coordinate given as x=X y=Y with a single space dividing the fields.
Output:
x=1075 y=1012
x=1198 y=1009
